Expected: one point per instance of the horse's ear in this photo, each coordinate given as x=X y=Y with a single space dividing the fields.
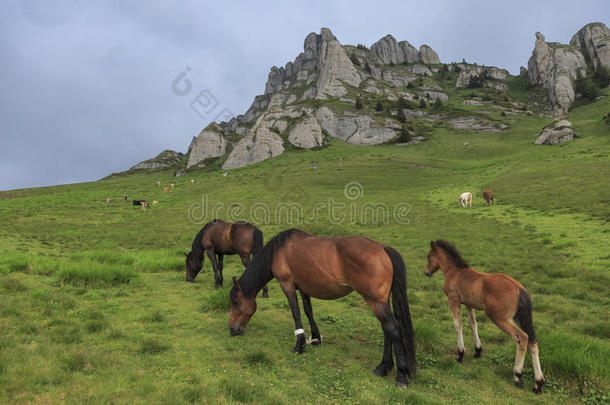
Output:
x=432 y=244
x=236 y=283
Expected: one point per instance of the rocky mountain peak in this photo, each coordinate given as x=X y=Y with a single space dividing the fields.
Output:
x=556 y=66
x=370 y=96
x=390 y=51
x=593 y=41
x=308 y=61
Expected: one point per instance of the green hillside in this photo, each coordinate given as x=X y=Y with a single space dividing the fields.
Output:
x=95 y=307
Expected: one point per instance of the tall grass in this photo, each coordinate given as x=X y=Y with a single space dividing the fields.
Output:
x=87 y=273
x=573 y=356
x=141 y=260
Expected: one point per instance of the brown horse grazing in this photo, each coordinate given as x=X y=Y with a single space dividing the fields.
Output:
x=501 y=297
x=219 y=238
x=330 y=268
x=488 y=195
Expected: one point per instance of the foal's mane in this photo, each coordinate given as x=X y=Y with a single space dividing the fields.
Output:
x=453 y=254
x=258 y=272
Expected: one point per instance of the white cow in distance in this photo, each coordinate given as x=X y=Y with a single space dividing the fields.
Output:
x=466 y=199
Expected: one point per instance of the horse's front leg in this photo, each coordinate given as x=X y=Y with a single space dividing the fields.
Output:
x=299 y=332
x=220 y=267
x=212 y=256
x=316 y=339
x=454 y=305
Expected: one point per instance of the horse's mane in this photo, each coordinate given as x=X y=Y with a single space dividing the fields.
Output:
x=258 y=272
x=453 y=253
x=197 y=247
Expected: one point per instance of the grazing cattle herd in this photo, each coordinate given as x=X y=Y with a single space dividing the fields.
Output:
x=331 y=267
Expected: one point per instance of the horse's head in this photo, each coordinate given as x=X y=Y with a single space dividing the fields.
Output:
x=242 y=309
x=433 y=262
x=193 y=267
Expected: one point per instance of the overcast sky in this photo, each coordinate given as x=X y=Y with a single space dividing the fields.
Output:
x=86 y=89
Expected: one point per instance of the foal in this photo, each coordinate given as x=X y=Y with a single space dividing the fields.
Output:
x=501 y=297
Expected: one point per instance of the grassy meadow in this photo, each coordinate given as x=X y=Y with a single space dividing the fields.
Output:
x=94 y=305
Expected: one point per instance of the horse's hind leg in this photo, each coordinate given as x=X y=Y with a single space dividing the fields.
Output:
x=472 y=322
x=391 y=329
x=316 y=339
x=387 y=363
x=212 y=256
x=538 y=377
x=521 y=341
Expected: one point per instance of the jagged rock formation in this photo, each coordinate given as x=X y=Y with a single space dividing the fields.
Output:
x=555 y=66
x=164 y=159
x=335 y=67
x=593 y=41
x=323 y=58
x=306 y=134
x=390 y=51
x=261 y=143
x=428 y=55
x=558 y=133
x=355 y=129
x=209 y=143
x=315 y=96
x=494 y=77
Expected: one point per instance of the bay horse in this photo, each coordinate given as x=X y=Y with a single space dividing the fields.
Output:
x=330 y=268
x=465 y=199
x=502 y=298
x=488 y=195
x=219 y=238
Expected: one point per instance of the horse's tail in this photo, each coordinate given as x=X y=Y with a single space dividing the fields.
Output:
x=401 y=308
x=524 y=315
x=257 y=241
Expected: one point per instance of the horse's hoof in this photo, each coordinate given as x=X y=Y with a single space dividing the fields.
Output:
x=298 y=349
x=460 y=357
x=381 y=371
x=518 y=381
x=477 y=352
x=401 y=382
x=538 y=387
x=314 y=341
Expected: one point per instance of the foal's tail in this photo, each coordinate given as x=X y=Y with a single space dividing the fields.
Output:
x=401 y=308
x=257 y=241
x=524 y=315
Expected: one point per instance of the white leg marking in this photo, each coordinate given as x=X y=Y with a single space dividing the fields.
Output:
x=472 y=322
x=520 y=356
x=536 y=362
x=299 y=332
x=457 y=324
